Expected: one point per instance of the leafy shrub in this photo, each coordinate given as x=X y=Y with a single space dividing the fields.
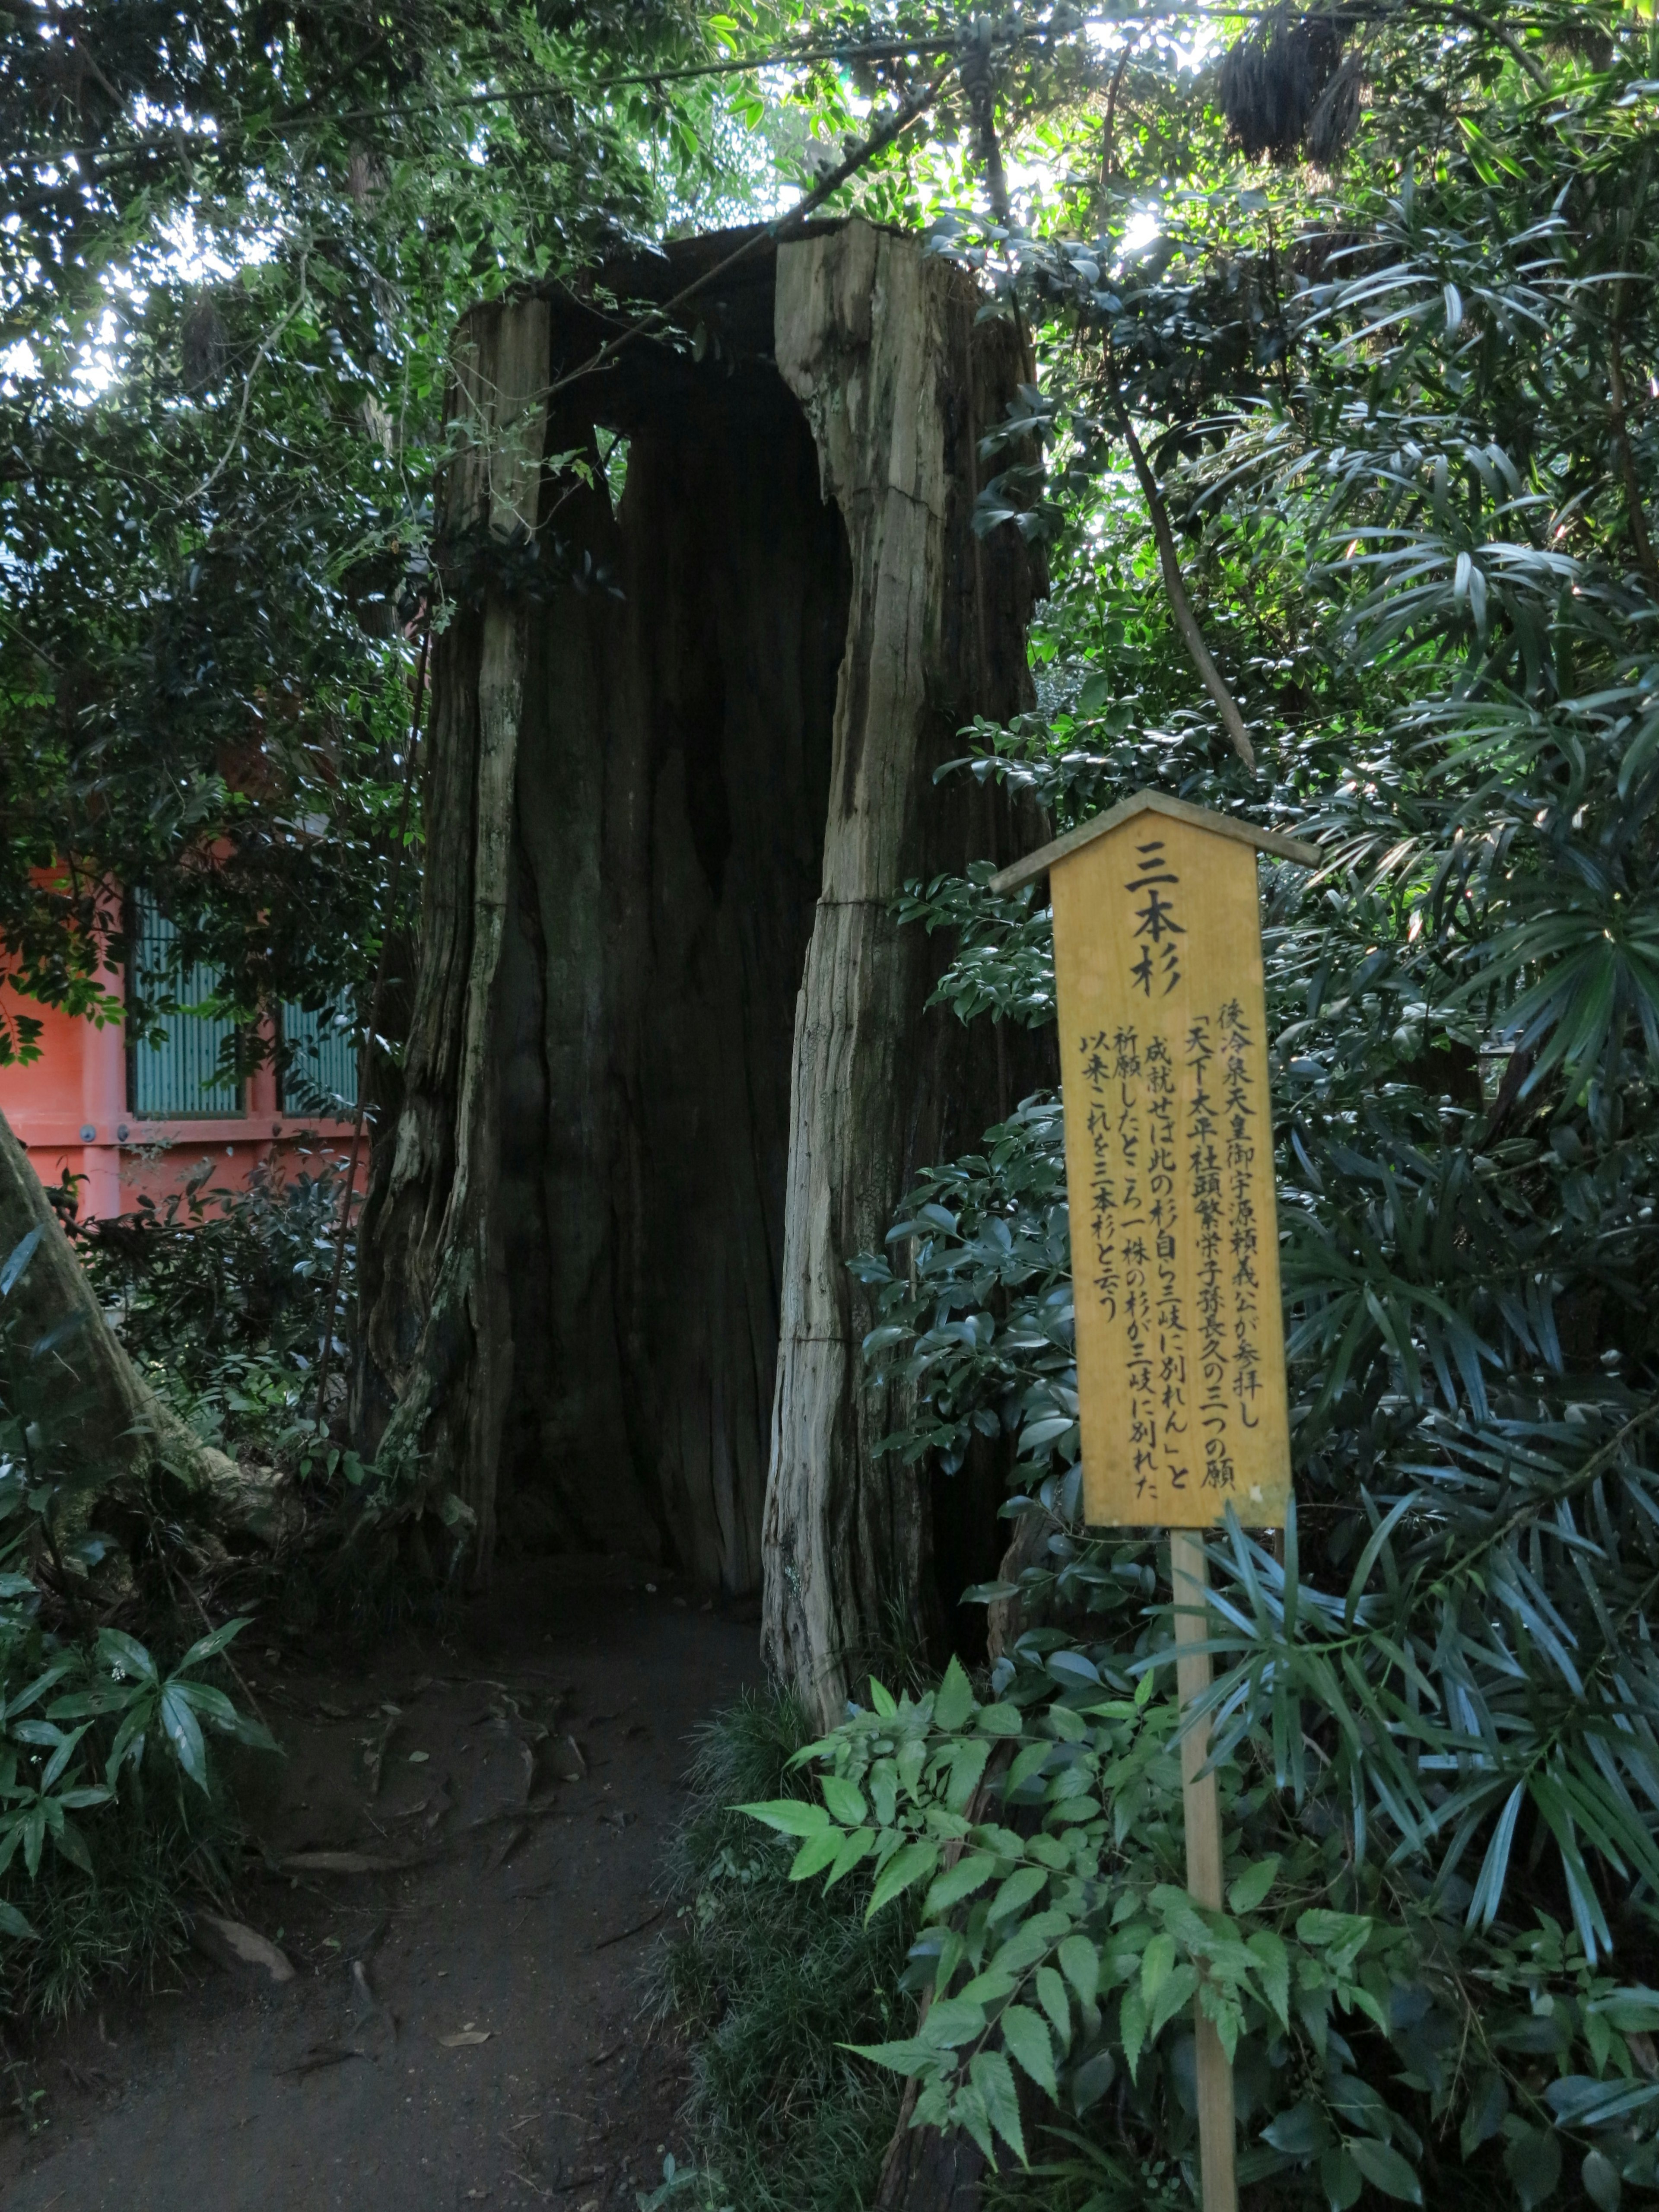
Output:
x=1062 y=1943
x=220 y=1296
x=1420 y=547
x=107 y=1801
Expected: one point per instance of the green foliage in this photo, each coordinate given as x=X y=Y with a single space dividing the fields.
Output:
x=1403 y=435
x=230 y=268
x=153 y=1850
x=220 y=1295
x=769 y=1976
x=1059 y=1943
x=90 y=1824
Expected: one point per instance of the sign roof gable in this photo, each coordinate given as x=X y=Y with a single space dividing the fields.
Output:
x=1153 y=802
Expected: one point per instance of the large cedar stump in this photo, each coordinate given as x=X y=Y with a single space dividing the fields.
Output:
x=670 y=1064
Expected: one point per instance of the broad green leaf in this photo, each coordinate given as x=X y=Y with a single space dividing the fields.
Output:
x=818 y=1851
x=208 y=1646
x=1026 y=2037
x=967 y=1764
x=206 y=1702
x=972 y=1872
x=1079 y=1961
x=1273 y=1969
x=245 y=1729
x=69 y=1840
x=856 y=1845
x=1532 y=2159
x=61 y=1757
x=1132 y=2026
x=1601 y=2182
x=911 y=1864
x=967 y=2113
x=907 y=2058
x=790 y=1816
x=989 y=2073
x=13 y=1923
x=184 y=1735
x=1251 y=1887
x=125 y=1655
x=1156 y=1965
x=1021 y=1887
x=999 y=1720
x=1052 y=1996
x=1091 y=2080
x=1340 y=2178
x=845 y=1801
x=1488 y=2107
x=953 y=1700
x=953 y=2021
x=1300 y=2132
x=1341 y=1936
x=1385 y=2169
x=1177 y=1990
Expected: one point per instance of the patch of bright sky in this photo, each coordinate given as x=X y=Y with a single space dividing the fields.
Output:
x=185 y=251
x=947 y=174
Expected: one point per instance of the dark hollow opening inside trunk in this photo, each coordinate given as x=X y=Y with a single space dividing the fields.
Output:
x=673 y=784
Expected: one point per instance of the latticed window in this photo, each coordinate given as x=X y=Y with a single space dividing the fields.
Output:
x=178 y=1074
x=321 y=1074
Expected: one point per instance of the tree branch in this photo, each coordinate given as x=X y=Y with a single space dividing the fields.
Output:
x=1186 y=621
x=895 y=125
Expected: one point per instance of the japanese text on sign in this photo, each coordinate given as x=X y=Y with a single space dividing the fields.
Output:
x=1169 y=1161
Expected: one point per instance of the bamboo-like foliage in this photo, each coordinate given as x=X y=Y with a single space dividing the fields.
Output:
x=1412 y=444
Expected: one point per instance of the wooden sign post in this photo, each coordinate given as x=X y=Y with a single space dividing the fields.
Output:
x=1175 y=1239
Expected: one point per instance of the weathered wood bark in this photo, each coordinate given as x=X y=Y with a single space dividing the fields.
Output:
x=109 y=1423
x=574 y=1244
x=882 y=346
x=442 y=1341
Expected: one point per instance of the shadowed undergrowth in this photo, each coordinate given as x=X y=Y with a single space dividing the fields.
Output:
x=769 y=1980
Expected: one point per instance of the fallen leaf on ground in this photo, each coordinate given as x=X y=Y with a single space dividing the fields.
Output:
x=464 y=2037
x=320 y=2055
x=232 y=1943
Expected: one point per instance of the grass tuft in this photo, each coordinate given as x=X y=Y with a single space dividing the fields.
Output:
x=768 y=1979
x=152 y=1853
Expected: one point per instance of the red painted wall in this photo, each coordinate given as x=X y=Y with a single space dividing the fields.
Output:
x=69 y=1109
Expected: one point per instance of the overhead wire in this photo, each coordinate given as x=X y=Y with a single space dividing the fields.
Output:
x=896 y=49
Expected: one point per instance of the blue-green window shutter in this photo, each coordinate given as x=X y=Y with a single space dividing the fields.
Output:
x=173 y=1078
x=321 y=1075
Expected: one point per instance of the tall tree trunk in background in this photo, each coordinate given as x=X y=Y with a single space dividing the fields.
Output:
x=433 y=1285
x=682 y=754
x=107 y=1423
x=881 y=344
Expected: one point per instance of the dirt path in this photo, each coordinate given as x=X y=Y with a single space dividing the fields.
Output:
x=526 y=1782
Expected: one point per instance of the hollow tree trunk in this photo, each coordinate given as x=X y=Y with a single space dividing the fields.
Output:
x=681 y=754
x=899 y=379
x=434 y=1285
x=107 y=1424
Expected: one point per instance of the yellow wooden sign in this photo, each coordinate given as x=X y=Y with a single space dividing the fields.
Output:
x=1170 y=1164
